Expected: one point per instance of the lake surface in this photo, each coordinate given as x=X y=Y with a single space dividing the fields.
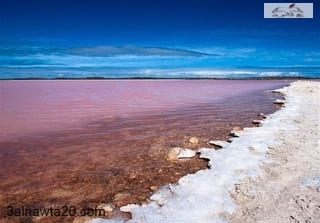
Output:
x=31 y=107
x=82 y=142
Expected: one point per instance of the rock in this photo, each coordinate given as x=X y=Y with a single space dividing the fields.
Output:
x=218 y=143
x=261 y=115
x=154 y=188
x=236 y=128
x=277 y=91
x=147 y=201
x=194 y=140
x=186 y=153
x=61 y=193
x=173 y=154
x=126 y=208
x=256 y=122
x=180 y=153
x=121 y=199
x=158 y=198
x=235 y=131
x=40 y=219
x=142 y=197
x=279 y=102
x=40 y=174
x=106 y=207
x=81 y=219
x=132 y=176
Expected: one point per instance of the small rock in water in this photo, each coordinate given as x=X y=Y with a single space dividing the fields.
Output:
x=236 y=128
x=158 y=198
x=279 y=102
x=79 y=219
x=106 y=207
x=194 y=140
x=262 y=115
x=179 y=153
x=121 y=199
x=235 y=131
x=126 y=208
x=276 y=91
x=153 y=188
x=218 y=143
x=132 y=176
x=173 y=154
x=256 y=122
x=186 y=153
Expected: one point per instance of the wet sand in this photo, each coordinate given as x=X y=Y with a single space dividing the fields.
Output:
x=71 y=143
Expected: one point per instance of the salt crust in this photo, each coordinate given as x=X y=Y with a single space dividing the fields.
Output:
x=204 y=196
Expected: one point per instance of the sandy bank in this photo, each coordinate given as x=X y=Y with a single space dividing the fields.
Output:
x=268 y=174
x=288 y=190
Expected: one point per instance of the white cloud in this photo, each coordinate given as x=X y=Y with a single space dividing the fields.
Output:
x=133 y=50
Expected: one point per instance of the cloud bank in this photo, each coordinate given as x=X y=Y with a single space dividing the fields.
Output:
x=32 y=55
x=99 y=51
x=133 y=50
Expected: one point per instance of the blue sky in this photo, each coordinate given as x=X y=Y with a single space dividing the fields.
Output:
x=156 y=34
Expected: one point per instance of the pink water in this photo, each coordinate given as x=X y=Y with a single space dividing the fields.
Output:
x=29 y=107
x=95 y=139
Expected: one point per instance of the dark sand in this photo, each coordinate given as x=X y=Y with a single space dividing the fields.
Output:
x=61 y=147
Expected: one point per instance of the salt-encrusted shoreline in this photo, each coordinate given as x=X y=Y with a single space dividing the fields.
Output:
x=219 y=194
x=288 y=190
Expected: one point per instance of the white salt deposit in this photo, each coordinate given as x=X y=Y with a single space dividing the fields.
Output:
x=218 y=143
x=204 y=196
x=180 y=153
x=186 y=153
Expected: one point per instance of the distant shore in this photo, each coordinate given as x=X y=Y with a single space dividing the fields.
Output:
x=155 y=78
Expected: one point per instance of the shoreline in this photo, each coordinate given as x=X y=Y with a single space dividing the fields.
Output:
x=288 y=78
x=207 y=195
x=289 y=187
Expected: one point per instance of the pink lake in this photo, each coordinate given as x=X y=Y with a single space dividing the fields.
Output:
x=30 y=107
x=82 y=142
